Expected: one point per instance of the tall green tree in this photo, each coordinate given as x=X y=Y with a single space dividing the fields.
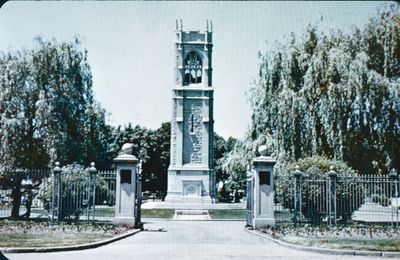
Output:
x=67 y=116
x=221 y=148
x=335 y=95
x=48 y=112
x=155 y=169
x=152 y=147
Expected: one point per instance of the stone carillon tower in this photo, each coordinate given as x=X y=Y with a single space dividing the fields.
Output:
x=191 y=176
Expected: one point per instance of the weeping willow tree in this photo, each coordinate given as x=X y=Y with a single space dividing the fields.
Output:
x=48 y=113
x=336 y=95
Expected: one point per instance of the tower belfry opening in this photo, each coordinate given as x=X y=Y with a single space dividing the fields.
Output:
x=193 y=69
x=191 y=176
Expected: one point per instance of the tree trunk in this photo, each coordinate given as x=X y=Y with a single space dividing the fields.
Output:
x=16 y=198
x=28 y=204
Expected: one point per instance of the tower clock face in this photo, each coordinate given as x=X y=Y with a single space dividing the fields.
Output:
x=193 y=68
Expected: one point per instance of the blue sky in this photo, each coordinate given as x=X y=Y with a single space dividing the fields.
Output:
x=131 y=46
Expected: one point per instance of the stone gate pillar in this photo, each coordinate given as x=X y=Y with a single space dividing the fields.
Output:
x=263 y=192
x=126 y=186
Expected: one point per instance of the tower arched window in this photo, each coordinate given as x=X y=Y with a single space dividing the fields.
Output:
x=193 y=68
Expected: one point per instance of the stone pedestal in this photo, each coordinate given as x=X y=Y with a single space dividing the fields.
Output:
x=263 y=193
x=188 y=185
x=125 y=187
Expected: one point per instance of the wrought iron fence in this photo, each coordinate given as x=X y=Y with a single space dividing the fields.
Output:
x=28 y=187
x=105 y=196
x=68 y=193
x=335 y=198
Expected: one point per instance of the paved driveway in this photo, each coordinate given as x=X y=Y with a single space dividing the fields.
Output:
x=188 y=240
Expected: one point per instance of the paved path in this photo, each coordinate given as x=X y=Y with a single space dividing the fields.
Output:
x=188 y=240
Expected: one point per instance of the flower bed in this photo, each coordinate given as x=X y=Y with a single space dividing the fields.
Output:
x=355 y=237
x=45 y=234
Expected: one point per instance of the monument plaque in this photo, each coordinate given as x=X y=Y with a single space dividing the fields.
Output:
x=126 y=176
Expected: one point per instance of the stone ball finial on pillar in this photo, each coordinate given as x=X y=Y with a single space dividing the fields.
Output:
x=263 y=150
x=127 y=148
x=57 y=169
x=92 y=168
x=332 y=173
x=297 y=173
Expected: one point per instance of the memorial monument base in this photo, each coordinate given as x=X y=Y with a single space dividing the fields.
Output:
x=185 y=199
x=189 y=185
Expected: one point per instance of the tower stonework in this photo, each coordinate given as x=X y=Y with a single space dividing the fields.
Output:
x=191 y=176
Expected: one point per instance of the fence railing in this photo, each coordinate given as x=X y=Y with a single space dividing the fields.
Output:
x=68 y=193
x=105 y=196
x=334 y=198
x=28 y=187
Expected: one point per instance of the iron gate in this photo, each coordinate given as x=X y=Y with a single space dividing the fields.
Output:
x=249 y=196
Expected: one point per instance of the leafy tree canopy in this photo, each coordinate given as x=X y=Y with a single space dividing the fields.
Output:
x=48 y=112
x=47 y=108
x=335 y=95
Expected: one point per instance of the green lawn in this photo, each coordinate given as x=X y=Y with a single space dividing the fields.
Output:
x=105 y=211
x=158 y=213
x=39 y=211
x=101 y=211
x=227 y=213
x=214 y=213
x=48 y=239
x=371 y=244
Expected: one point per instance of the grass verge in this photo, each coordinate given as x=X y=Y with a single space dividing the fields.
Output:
x=40 y=233
x=48 y=240
x=227 y=213
x=354 y=236
x=157 y=213
x=369 y=244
